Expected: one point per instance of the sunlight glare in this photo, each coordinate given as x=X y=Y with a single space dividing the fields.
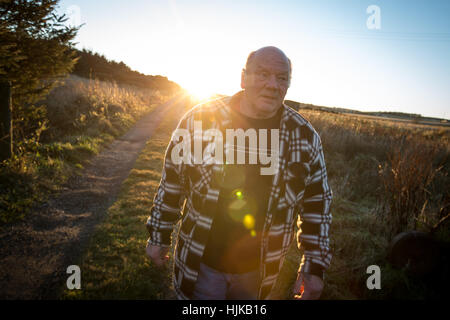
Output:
x=199 y=91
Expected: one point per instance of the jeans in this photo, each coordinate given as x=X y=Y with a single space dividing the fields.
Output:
x=215 y=285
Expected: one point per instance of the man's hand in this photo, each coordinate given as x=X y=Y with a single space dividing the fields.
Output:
x=157 y=254
x=307 y=287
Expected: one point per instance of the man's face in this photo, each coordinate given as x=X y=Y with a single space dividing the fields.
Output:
x=266 y=81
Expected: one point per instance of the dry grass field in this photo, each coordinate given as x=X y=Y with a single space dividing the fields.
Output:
x=387 y=177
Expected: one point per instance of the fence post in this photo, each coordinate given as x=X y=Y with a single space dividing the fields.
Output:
x=6 y=146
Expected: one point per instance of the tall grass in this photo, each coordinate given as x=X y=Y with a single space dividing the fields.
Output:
x=356 y=147
x=406 y=178
x=386 y=177
x=92 y=107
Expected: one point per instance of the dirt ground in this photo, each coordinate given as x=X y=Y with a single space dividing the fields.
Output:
x=35 y=253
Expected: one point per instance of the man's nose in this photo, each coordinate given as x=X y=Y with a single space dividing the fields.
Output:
x=272 y=82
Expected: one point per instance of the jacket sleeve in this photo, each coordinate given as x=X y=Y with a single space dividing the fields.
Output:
x=168 y=200
x=315 y=217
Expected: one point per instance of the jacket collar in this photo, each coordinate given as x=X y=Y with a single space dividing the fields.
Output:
x=225 y=105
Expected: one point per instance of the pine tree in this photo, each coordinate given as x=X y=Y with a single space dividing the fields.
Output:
x=36 y=51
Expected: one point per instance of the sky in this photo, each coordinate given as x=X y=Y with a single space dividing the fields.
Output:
x=363 y=55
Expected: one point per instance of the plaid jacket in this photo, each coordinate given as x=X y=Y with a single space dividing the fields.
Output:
x=299 y=192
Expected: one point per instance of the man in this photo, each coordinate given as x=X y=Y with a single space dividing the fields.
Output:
x=238 y=219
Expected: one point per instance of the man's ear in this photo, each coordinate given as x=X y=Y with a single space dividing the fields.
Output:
x=243 y=79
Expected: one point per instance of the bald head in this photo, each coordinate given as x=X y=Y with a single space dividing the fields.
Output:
x=269 y=52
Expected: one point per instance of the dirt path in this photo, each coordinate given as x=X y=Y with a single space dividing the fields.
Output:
x=35 y=253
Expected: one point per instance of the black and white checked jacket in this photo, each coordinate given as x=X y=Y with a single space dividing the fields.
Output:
x=300 y=192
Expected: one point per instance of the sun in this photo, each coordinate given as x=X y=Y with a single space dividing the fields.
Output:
x=200 y=91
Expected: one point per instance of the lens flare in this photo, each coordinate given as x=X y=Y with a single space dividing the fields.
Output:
x=237 y=205
x=249 y=221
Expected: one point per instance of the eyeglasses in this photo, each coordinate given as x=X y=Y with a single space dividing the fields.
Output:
x=263 y=76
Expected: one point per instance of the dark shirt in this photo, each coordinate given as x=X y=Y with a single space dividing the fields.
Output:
x=235 y=237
